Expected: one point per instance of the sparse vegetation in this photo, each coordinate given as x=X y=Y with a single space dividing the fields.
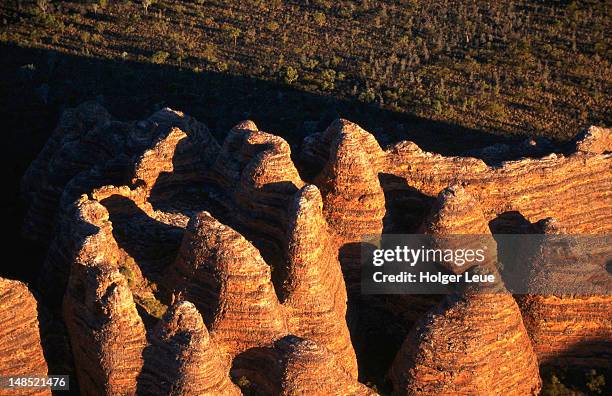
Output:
x=559 y=381
x=159 y=57
x=514 y=66
x=153 y=306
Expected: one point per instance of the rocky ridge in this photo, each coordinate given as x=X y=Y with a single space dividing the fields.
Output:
x=251 y=260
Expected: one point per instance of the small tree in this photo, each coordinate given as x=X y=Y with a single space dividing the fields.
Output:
x=146 y=4
x=319 y=18
x=291 y=75
x=160 y=57
x=232 y=32
x=43 y=5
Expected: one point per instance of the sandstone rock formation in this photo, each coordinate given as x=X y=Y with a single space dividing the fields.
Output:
x=230 y=283
x=182 y=359
x=567 y=312
x=475 y=340
x=295 y=366
x=314 y=293
x=106 y=333
x=353 y=200
x=143 y=215
x=536 y=188
x=474 y=343
x=21 y=352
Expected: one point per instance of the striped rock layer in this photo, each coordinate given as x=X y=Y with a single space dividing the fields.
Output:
x=536 y=188
x=472 y=344
x=295 y=366
x=107 y=334
x=475 y=341
x=21 y=352
x=569 y=327
x=182 y=359
x=122 y=239
x=139 y=215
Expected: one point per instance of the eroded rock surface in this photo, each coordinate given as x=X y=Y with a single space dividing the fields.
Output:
x=474 y=341
x=295 y=366
x=143 y=215
x=21 y=352
x=569 y=326
x=182 y=359
x=107 y=334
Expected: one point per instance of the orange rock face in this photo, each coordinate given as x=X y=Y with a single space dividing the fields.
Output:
x=313 y=292
x=21 y=352
x=569 y=328
x=106 y=332
x=469 y=345
x=295 y=366
x=353 y=200
x=230 y=283
x=182 y=359
x=255 y=260
x=475 y=340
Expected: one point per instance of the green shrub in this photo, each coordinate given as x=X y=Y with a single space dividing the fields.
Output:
x=128 y=274
x=368 y=95
x=85 y=37
x=290 y=75
x=153 y=306
x=437 y=106
x=328 y=78
x=159 y=57
x=319 y=18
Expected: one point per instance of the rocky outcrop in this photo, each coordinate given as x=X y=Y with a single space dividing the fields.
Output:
x=72 y=148
x=182 y=359
x=536 y=188
x=21 y=352
x=230 y=283
x=455 y=212
x=456 y=221
x=567 y=312
x=595 y=140
x=295 y=366
x=106 y=333
x=475 y=340
x=89 y=140
x=314 y=294
x=353 y=200
x=90 y=154
x=153 y=213
x=471 y=344
x=255 y=171
x=572 y=331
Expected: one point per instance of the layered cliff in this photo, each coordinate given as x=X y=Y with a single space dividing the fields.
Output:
x=567 y=311
x=536 y=188
x=182 y=359
x=21 y=352
x=475 y=340
x=257 y=260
